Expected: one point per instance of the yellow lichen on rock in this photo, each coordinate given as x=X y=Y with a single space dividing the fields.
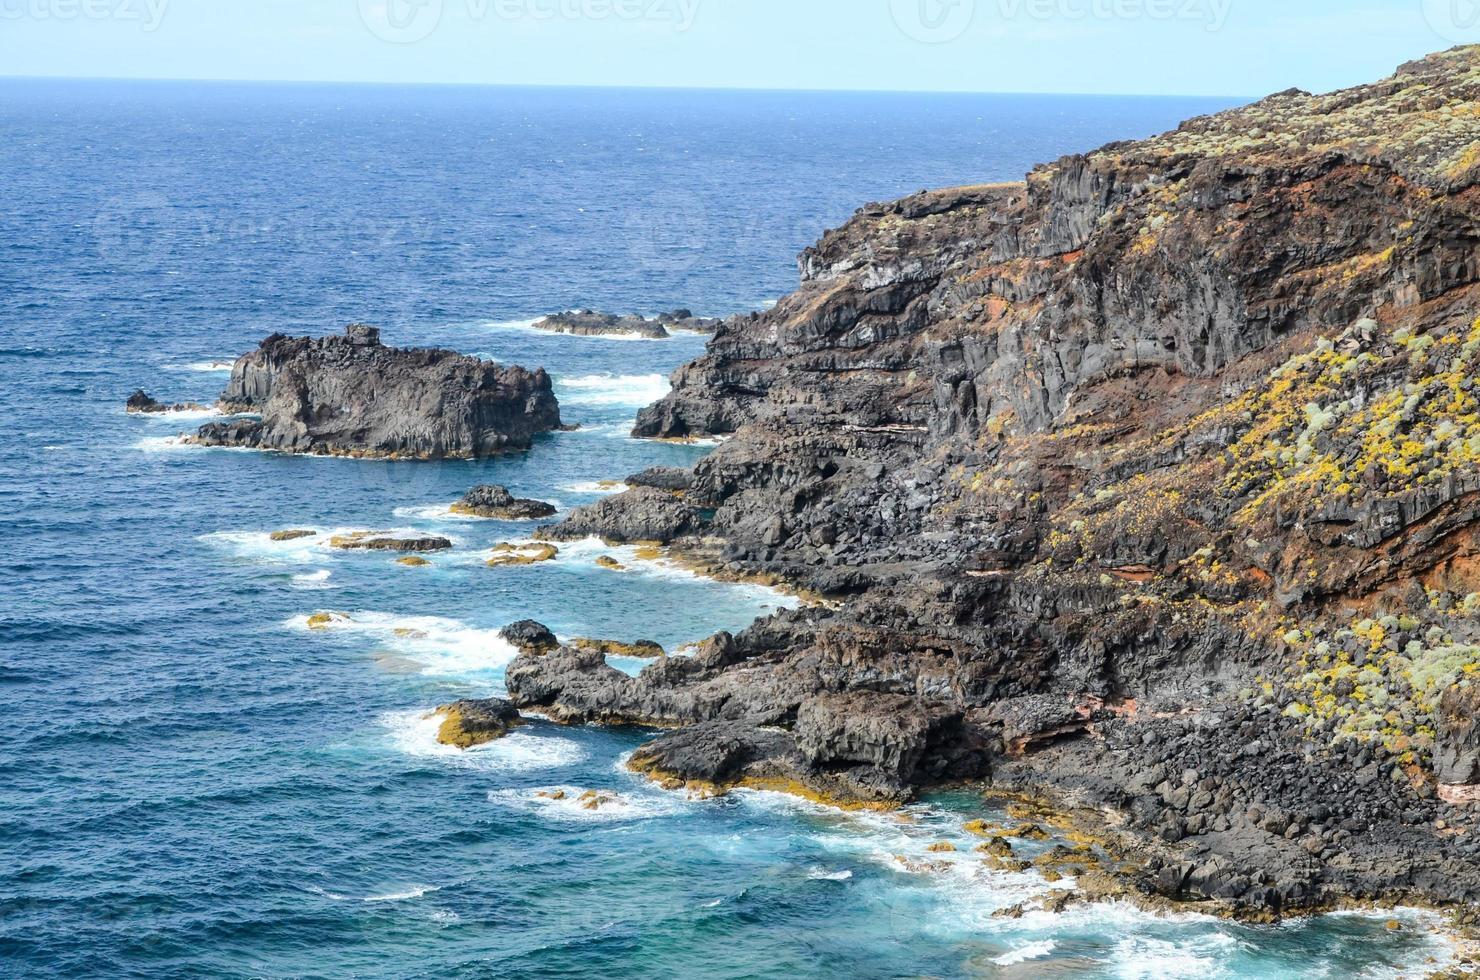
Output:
x=521 y=554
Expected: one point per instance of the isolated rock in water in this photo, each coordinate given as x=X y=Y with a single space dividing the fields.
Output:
x=140 y=403
x=468 y=724
x=496 y=503
x=292 y=535
x=587 y=323
x=381 y=541
x=351 y=395
x=507 y=554
x=640 y=514
x=530 y=637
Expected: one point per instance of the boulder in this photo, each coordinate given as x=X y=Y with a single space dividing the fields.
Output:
x=530 y=637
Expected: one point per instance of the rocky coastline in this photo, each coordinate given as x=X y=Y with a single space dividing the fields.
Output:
x=351 y=395
x=1148 y=485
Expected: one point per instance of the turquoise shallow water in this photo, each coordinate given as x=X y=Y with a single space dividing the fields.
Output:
x=195 y=784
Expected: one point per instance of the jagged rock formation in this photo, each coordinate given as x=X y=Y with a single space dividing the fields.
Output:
x=141 y=403
x=587 y=323
x=354 y=396
x=1157 y=473
x=529 y=636
x=497 y=503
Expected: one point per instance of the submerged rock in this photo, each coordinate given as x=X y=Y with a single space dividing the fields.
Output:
x=351 y=395
x=497 y=503
x=468 y=724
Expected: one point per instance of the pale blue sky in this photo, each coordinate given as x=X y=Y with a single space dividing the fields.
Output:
x=1215 y=47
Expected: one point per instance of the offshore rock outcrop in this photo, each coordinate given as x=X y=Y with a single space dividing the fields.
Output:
x=351 y=395
x=141 y=403
x=497 y=503
x=587 y=323
x=1149 y=484
x=469 y=724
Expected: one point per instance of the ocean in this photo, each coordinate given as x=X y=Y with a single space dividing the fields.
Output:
x=193 y=783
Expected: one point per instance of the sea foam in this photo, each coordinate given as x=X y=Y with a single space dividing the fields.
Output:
x=629 y=390
x=414 y=733
x=442 y=647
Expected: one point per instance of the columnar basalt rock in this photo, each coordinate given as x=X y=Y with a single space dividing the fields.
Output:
x=1149 y=482
x=351 y=395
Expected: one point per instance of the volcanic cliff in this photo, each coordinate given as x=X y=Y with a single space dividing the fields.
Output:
x=1150 y=483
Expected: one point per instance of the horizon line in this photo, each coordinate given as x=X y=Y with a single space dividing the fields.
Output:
x=363 y=83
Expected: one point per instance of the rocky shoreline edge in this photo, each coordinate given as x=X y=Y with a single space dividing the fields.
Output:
x=1147 y=484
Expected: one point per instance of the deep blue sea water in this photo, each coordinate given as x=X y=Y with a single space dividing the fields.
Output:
x=192 y=783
